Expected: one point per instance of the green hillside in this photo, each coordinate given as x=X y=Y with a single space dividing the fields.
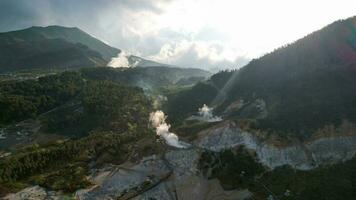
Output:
x=72 y=35
x=305 y=85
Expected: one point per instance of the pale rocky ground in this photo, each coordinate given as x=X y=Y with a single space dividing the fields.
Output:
x=34 y=193
x=303 y=155
x=185 y=182
x=175 y=174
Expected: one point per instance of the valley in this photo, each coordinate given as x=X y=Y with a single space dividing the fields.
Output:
x=72 y=127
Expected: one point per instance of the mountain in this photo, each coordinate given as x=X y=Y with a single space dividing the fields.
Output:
x=51 y=47
x=57 y=47
x=72 y=35
x=140 y=62
x=284 y=128
x=297 y=89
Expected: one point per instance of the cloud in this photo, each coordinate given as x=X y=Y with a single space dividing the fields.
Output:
x=134 y=26
x=190 y=33
x=90 y=15
x=199 y=54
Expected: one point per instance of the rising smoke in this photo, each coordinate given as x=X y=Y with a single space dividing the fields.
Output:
x=206 y=114
x=122 y=61
x=158 y=120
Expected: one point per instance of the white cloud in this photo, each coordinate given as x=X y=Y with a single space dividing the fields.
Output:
x=223 y=33
x=191 y=33
x=200 y=54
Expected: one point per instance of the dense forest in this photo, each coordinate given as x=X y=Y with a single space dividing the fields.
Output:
x=23 y=99
x=20 y=100
x=63 y=165
x=238 y=168
x=105 y=118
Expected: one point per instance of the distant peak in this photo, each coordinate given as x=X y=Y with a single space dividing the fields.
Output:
x=54 y=27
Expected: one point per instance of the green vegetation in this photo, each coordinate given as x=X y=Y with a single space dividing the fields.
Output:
x=190 y=80
x=106 y=120
x=239 y=169
x=330 y=182
x=52 y=47
x=147 y=78
x=102 y=105
x=69 y=178
x=306 y=85
x=44 y=163
x=79 y=103
x=234 y=168
x=187 y=102
x=47 y=54
x=73 y=35
x=20 y=100
x=64 y=165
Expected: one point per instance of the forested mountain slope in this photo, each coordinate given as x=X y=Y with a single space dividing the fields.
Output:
x=57 y=47
x=304 y=86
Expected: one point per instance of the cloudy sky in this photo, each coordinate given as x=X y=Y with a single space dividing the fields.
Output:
x=190 y=33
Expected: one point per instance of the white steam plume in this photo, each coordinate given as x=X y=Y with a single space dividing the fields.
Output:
x=158 y=120
x=206 y=114
x=122 y=61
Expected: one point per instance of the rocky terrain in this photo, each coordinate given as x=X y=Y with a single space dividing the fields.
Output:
x=175 y=174
x=34 y=193
x=282 y=127
x=303 y=155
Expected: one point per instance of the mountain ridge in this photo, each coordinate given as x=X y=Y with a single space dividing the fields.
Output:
x=71 y=34
x=62 y=48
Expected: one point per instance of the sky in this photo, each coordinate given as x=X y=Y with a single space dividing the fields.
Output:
x=188 y=33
